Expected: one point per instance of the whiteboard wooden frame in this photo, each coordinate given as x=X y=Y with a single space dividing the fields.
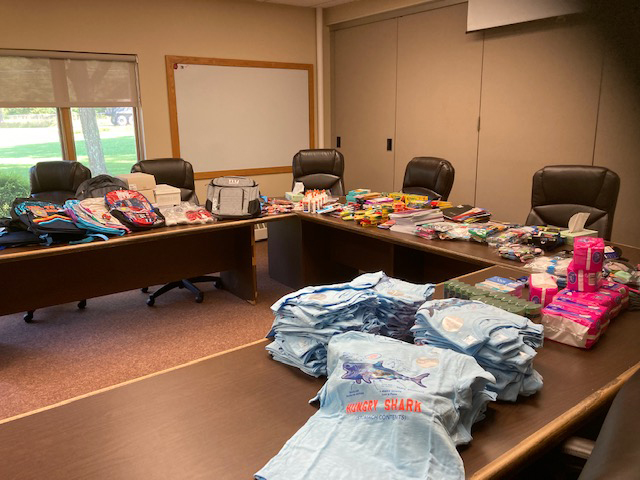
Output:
x=172 y=60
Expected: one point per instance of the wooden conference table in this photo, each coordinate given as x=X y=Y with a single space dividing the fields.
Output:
x=36 y=277
x=225 y=416
x=311 y=249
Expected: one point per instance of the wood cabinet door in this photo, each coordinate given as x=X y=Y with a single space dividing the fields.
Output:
x=363 y=102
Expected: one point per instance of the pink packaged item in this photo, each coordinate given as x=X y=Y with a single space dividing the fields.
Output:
x=623 y=290
x=564 y=326
x=582 y=280
x=588 y=254
x=542 y=288
x=586 y=297
x=576 y=306
x=604 y=298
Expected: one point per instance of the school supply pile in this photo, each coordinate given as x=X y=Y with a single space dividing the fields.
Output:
x=512 y=235
x=186 y=214
x=408 y=221
x=443 y=231
x=305 y=320
x=502 y=343
x=389 y=410
x=466 y=214
x=519 y=252
x=580 y=314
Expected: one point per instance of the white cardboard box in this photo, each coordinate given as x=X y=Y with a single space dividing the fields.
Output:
x=138 y=181
x=167 y=196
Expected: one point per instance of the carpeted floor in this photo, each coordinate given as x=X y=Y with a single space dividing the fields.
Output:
x=68 y=352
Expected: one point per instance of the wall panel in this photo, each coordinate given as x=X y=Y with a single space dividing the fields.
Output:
x=618 y=146
x=364 y=73
x=439 y=73
x=540 y=90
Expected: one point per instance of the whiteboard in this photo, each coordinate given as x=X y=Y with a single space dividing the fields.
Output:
x=238 y=119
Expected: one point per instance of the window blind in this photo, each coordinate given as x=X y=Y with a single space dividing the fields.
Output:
x=66 y=79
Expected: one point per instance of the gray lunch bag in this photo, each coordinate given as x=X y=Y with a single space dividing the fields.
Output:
x=233 y=197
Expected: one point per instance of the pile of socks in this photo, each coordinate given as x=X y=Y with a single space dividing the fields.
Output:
x=306 y=320
x=501 y=342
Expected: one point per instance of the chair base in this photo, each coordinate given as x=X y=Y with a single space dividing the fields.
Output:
x=28 y=317
x=187 y=283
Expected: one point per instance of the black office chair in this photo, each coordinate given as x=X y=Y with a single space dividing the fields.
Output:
x=171 y=171
x=320 y=169
x=57 y=181
x=430 y=176
x=561 y=191
x=177 y=173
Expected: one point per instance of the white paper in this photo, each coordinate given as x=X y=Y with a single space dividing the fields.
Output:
x=577 y=222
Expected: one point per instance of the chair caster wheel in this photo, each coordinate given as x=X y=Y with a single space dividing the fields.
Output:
x=151 y=301
x=199 y=298
x=28 y=317
x=144 y=290
x=217 y=283
x=82 y=304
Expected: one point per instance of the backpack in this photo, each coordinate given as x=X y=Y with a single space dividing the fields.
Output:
x=99 y=186
x=48 y=221
x=133 y=210
x=233 y=197
x=92 y=215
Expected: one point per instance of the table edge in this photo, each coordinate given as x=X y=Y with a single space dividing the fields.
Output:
x=539 y=440
x=127 y=382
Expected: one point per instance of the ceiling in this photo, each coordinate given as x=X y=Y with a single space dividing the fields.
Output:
x=308 y=3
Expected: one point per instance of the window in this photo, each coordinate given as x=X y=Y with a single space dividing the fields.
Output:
x=62 y=105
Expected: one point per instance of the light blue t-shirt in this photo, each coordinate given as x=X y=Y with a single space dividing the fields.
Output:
x=389 y=410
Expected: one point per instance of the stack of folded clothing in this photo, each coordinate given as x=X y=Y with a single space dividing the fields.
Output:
x=398 y=302
x=305 y=320
x=502 y=343
x=388 y=410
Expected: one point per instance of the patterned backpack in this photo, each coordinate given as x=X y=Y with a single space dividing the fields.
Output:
x=133 y=210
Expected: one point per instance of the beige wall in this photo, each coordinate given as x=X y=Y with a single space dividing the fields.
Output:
x=151 y=29
x=546 y=92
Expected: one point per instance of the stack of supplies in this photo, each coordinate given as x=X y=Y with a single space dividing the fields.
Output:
x=443 y=231
x=305 y=320
x=388 y=410
x=408 y=220
x=580 y=318
x=502 y=343
x=542 y=288
x=585 y=271
x=502 y=284
x=466 y=214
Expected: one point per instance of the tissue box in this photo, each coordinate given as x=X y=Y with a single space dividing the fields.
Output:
x=294 y=197
x=139 y=181
x=569 y=237
x=167 y=195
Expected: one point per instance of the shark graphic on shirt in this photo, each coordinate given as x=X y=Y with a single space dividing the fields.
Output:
x=376 y=371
